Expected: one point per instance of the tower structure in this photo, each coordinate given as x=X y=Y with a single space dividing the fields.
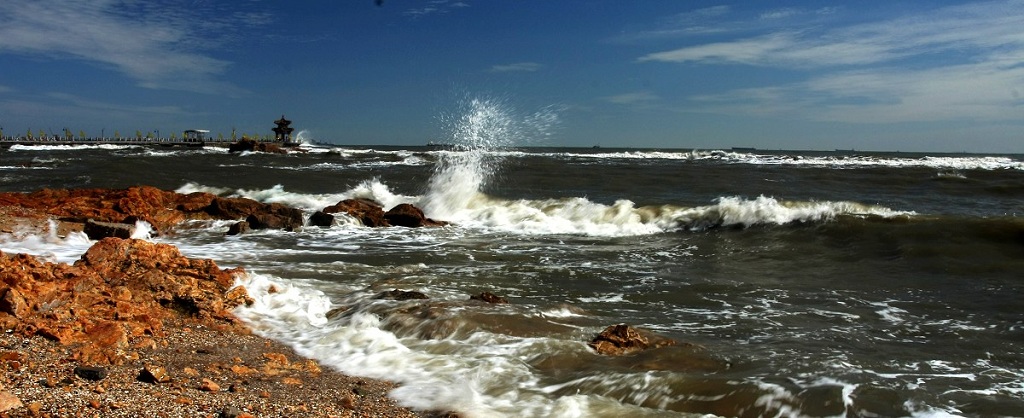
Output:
x=283 y=132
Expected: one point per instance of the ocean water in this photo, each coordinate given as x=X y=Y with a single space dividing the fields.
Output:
x=801 y=283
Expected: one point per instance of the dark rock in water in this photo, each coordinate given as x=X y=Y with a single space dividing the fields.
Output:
x=99 y=230
x=240 y=227
x=91 y=373
x=276 y=216
x=401 y=295
x=489 y=298
x=233 y=208
x=246 y=144
x=321 y=219
x=368 y=212
x=409 y=216
x=622 y=339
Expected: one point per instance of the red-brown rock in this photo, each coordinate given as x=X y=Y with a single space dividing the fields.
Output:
x=368 y=212
x=119 y=290
x=409 y=216
x=276 y=216
x=622 y=339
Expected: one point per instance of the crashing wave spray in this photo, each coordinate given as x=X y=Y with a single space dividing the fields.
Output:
x=304 y=137
x=462 y=173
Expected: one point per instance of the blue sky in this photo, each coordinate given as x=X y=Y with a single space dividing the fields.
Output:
x=869 y=75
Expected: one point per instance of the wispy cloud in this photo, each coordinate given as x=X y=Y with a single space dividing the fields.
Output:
x=163 y=45
x=516 y=67
x=632 y=98
x=974 y=27
x=954 y=63
x=435 y=7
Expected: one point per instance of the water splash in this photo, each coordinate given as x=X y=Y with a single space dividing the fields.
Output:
x=483 y=126
x=304 y=137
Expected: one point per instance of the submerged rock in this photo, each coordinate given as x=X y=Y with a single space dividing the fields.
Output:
x=489 y=298
x=401 y=295
x=622 y=339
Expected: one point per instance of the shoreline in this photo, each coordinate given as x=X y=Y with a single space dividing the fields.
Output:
x=126 y=327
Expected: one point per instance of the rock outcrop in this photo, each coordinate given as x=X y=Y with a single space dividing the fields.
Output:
x=246 y=144
x=113 y=211
x=372 y=214
x=121 y=292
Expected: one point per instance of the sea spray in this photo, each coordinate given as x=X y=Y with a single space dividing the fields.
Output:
x=485 y=125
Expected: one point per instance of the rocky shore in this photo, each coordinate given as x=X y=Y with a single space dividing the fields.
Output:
x=134 y=328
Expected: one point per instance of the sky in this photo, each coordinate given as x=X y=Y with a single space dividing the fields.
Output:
x=927 y=76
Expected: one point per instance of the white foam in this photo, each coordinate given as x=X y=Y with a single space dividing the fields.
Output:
x=49 y=246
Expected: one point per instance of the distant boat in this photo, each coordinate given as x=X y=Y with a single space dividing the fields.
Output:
x=744 y=149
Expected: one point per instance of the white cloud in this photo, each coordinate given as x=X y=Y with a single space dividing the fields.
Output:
x=159 y=44
x=517 y=67
x=954 y=63
x=973 y=27
x=435 y=7
x=632 y=98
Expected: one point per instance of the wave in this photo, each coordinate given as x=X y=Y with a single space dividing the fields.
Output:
x=978 y=162
x=467 y=208
x=77 y=147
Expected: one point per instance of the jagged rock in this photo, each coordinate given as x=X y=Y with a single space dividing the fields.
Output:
x=409 y=216
x=99 y=230
x=622 y=339
x=489 y=298
x=9 y=402
x=368 y=212
x=276 y=216
x=321 y=219
x=13 y=303
x=401 y=295
x=239 y=227
x=119 y=289
x=152 y=373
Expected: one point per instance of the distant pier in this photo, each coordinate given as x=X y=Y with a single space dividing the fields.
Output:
x=7 y=142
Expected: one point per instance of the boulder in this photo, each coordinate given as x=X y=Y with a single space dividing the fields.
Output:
x=409 y=216
x=368 y=212
x=321 y=219
x=98 y=230
x=239 y=227
x=276 y=216
x=232 y=207
x=622 y=339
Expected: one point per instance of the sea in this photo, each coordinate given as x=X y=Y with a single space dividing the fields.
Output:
x=795 y=283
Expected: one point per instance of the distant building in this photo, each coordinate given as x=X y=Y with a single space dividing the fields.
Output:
x=194 y=135
x=283 y=132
